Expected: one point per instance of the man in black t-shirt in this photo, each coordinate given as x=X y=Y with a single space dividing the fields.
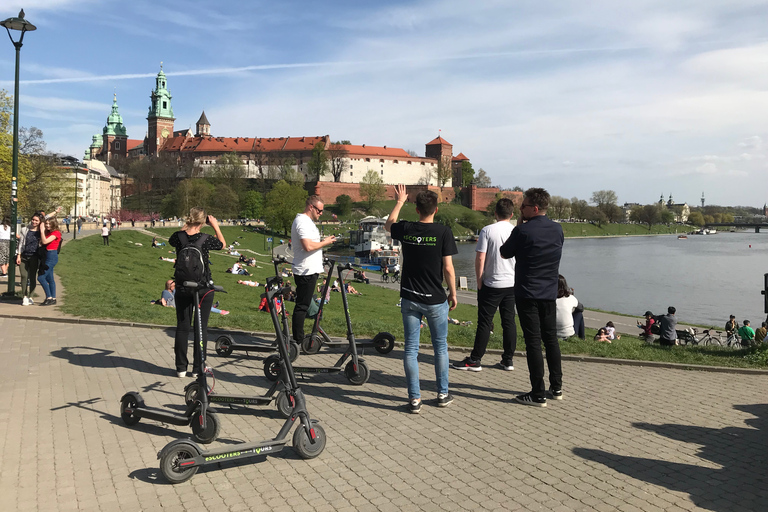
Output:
x=427 y=250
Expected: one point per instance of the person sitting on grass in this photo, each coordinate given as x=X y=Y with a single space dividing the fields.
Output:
x=351 y=289
x=747 y=334
x=168 y=298
x=602 y=335
x=610 y=329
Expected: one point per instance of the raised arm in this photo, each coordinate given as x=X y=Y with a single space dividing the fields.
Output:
x=215 y=225
x=401 y=196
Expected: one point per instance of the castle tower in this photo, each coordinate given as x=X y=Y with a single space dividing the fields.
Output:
x=439 y=148
x=202 y=127
x=114 y=135
x=160 y=119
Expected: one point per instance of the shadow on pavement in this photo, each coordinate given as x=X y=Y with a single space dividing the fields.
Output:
x=100 y=358
x=738 y=484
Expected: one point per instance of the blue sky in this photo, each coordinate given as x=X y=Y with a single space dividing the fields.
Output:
x=655 y=97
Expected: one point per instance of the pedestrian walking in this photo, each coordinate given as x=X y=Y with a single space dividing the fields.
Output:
x=495 y=290
x=428 y=250
x=66 y=222
x=537 y=245
x=307 y=260
x=79 y=224
x=105 y=234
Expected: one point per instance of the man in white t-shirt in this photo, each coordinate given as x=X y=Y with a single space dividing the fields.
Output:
x=307 y=260
x=495 y=290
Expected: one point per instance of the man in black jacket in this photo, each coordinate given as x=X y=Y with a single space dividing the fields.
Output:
x=537 y=245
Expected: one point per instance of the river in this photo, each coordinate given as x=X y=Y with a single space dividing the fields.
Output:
x=706 y=278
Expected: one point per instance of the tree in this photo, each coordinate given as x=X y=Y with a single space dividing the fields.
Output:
x=372 y=188
x=696 y=218
x=318 y=162
x=190 y=192
x=224 y=203
x=467 y=174
x=443 y=171
x=603 y=197
x=251 y=204
x=648 y=214
x=595 y=216
x=517 y=188
x=559 y=208
x=337 y=158
x=445 y=220
x=613 y=213
x=481 y=179
x=667 y=216
x=284 y=201
x=344 y=204
x=288 y=172
x=228 y=167
x=579 y=208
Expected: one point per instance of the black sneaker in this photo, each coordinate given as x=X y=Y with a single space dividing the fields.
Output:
x=415 y=406
x=468 y=364
x=504 y=366
x=444 y=399
x=528 y=399
x=557 y=394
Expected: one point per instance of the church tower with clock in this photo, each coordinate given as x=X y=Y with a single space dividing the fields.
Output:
x=160 y=119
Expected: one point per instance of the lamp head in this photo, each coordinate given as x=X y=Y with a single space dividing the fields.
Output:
x=18 y=23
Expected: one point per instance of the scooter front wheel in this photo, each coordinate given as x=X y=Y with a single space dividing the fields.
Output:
x=384 y=342
x=311 y=344
x=210 y=432
x=172 y=458
x=284 y=404
x=304 y=446
x=224 y=345
x=272 y=368
x=128 y=404
x=293 y=351
x=362 y=375
x=190 y=393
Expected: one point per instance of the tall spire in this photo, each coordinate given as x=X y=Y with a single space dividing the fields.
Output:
x=161 y=98
x=114 y=124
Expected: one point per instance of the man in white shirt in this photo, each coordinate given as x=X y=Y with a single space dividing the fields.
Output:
x=495 y=290
x=307 y=260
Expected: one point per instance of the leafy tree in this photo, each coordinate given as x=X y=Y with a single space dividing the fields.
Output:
x=667 y=216
x=318 y=162
x=579 y=208
x=595 y=216
x=190 y=192
x=372 y=188
x=344 y=204
x=727 y=217
x=490 y=210
x=474 y=220
x=443 y=171
x=648 y=214
x=251 y=204
x=337 y=158
x=517 y=189
x=481 y=179
x=445 y=220
x=224 y=203
x=559 y=207
x=696 y=218
x=613 y=213
x=284 y=201
x=467 y=174
x=288 y=171
x=603 y=197
x=228 y=167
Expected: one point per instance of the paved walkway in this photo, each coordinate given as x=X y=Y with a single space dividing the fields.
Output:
x=625 y=438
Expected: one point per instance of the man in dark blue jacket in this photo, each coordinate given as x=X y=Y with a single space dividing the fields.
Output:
x=537 y=245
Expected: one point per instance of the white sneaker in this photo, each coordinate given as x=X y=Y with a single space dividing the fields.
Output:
x=181 y=374
x=31 y=301
x=26 y=302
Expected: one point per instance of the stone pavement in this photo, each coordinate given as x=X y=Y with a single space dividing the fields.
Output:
x=624 y=438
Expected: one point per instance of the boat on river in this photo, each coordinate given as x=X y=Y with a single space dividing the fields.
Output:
x=371 y=240
x=682 y=237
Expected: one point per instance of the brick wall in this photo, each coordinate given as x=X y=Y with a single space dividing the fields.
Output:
x=329 y=191
x=479 y=198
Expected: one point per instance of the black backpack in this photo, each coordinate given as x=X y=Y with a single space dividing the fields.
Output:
x=190 y=264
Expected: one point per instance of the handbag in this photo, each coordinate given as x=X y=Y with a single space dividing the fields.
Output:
x=579 y=308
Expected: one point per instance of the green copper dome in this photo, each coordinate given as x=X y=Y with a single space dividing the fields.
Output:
x=161 y=98
x=115 y=122
x=98 y=141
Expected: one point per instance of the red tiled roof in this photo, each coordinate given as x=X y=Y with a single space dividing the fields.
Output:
x=460 y=157
x=376 y=151
x=439 y=140
x=132 y=143
x=241 y=144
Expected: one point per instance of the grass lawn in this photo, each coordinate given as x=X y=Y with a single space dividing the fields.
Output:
x=117 y=282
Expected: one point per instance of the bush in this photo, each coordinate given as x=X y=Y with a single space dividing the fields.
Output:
x=344 y=204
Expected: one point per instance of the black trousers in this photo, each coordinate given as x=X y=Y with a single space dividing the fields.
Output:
x=538 y=321
x=305 y=288
x=488 y=301
x=185 y=317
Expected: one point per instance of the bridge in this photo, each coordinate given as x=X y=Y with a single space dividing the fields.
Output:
x=741 y=225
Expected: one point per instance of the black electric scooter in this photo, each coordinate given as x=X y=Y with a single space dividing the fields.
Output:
x=180 y=459
x=383 y=342
x=356 y=370
x=225 y=344
x=203 y=420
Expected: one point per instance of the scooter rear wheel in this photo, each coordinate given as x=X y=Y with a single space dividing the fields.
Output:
x=128 y=404
x=210 y=432
x=272 y=368
x=302 y=444
x=384 y=342
x=284 y=406
x=362 y=375
x=293 y=351
x=224 y=345
x=170 y=462
x=311 y=344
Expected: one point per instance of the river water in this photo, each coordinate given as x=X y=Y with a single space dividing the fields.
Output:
x=706 y=278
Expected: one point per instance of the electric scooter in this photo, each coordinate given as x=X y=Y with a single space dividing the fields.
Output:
x=181 y=459
x=203 y=420
x=225 y=344
x=356 y=370
x=383 y=342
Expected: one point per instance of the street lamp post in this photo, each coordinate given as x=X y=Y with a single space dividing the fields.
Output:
x=74 y=215
x=23 y=26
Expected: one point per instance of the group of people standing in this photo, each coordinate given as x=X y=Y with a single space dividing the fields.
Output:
x=37 y=253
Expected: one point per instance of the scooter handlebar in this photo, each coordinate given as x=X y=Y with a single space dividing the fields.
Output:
x=193 y=286
x=280 y=259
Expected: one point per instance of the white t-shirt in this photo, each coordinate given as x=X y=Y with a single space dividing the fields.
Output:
x=104 y=231
x=497 y=272
x=564 y=311
x=305 y=263
x=5 y=232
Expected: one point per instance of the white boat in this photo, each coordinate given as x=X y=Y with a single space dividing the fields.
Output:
x=371 y=239
x=711 y=231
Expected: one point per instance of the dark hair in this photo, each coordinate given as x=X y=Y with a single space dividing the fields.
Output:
x=733 y=316
x=505 y=208
x=312 y=201
x=426 y=202
x=671 y=310
x=562 y=287
x=538 y=197
x=609 y=324
x=6 y=221
x=746 y=322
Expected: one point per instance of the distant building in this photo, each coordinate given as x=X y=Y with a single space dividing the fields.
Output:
x=681 y=210
x=97 y=188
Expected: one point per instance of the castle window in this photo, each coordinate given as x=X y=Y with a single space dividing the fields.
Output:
x=367 y=159
x=351 y=166
x=165 y=104
x=117 y=145
x=422 y=163
x=382 y=160
x=351 y=174
x=396 y=161
x=382 y=172
x=409 y=162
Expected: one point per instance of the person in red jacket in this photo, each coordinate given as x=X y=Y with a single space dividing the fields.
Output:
x=50 y=237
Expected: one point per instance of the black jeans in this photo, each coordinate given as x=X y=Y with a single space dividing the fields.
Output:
x=185 y=317
x=488 y=301
x=538 y=321
x=578 y=324
x=305 y=288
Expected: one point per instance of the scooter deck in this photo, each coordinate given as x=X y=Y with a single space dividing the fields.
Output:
x=241 y=399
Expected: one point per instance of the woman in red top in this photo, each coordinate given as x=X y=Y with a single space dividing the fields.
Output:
x=50 y=236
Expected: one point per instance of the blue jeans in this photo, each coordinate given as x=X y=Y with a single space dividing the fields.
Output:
x=46 y=278
x=437 y=319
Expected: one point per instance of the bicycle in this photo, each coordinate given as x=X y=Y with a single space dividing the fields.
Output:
x=708 y=338
x=385 y=278
x=396 y=277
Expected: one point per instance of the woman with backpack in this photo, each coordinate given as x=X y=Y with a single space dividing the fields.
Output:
x=191 y=247
x=50 y=237
x=26 y=257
